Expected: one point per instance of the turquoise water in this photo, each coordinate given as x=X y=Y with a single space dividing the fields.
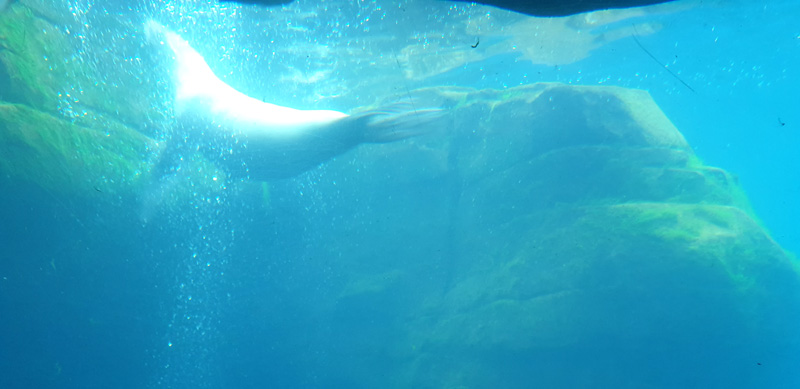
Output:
x=315 y=281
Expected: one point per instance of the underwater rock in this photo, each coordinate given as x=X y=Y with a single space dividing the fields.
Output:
x=68 y=122
x=68 y=158
x=604 y=242
x=31 y=59
x=590 y=248
x=51 y=60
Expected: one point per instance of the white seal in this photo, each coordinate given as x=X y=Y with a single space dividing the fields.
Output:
x=267 y=141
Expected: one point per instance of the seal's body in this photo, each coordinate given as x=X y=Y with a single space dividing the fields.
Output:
x=267 y=141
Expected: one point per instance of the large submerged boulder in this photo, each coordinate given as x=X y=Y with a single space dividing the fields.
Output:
x=590 y=247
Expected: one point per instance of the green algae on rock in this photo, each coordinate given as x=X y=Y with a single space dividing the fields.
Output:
x=33 y=56
x=68 y=124
x=68 y=158
x=590 y=248
x=46 y=62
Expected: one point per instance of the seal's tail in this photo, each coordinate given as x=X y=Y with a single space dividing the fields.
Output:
x=399 y=121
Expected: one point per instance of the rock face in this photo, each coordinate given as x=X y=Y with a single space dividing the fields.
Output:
x=64 y=124
x=78 y=119
x=589 y=247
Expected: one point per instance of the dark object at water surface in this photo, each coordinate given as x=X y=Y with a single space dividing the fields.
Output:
x=563 y=7
x=267 y=3
x=528 y=7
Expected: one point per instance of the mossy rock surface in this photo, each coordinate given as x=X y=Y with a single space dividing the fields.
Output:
x=71 y=159
x=636 y=283
x=589 y=247
x=513 y=126
x=68 y=122
x=53 y=62
x=34 y=59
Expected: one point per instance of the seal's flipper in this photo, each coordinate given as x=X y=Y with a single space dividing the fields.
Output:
x=398 y=121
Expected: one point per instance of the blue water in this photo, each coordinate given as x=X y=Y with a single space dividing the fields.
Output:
x=240 y=289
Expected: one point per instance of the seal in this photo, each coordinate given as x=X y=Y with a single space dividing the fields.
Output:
x=265 y=141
